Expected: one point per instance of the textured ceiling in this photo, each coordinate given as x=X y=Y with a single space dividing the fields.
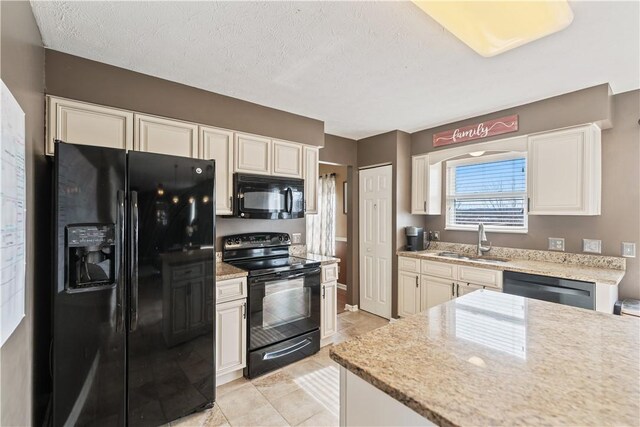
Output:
x=361 y=67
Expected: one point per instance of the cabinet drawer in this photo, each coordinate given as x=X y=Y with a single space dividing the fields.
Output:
x=329 y=273
x=439 y=269
x=409 y=264
x=480 y=276
x=232 y=289
x=187 y=271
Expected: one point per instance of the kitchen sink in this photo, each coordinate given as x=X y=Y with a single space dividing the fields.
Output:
x=471 y=258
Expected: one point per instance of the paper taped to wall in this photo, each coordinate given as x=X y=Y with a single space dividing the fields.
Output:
x=12 y=215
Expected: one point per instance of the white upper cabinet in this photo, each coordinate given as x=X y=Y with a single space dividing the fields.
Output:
x=252 y=154
x=426 y=186
x=564 y=172
x=311 y=173
x=87 y=124
x=164 y=136
x=287 y=159
x=217 y=144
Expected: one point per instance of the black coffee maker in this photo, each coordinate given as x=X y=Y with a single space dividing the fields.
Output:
x=415 y=238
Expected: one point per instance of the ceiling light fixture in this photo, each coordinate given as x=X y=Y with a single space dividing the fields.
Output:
x=476 y=153
x=493 y=27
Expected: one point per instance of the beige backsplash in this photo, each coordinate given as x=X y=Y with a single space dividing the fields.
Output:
x=597 y=261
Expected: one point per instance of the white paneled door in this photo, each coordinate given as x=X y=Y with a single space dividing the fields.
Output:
x=375 y=240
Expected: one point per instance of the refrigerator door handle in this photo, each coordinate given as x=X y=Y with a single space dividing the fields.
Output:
x=120 y=267
x=134 y=262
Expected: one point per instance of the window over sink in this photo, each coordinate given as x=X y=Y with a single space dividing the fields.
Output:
x=489 y=189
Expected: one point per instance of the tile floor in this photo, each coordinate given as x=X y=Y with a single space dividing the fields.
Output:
x=305 y=393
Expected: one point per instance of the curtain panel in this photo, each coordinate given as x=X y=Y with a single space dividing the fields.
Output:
x=321 y=228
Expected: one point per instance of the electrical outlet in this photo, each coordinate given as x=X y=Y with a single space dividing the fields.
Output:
x=556 y=244
x=592 y=246
x=296 y=238
x=628 y=249
x=436 y=235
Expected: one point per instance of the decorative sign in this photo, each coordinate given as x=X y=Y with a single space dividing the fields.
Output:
x=481 y=130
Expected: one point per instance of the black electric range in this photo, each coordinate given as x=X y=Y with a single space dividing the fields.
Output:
x=283 y=300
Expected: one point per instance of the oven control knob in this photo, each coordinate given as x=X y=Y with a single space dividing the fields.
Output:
x=286 y=237
x=229 y=242
x=280 y=238
x=237 y=240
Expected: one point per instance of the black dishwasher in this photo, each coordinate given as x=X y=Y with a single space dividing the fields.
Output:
x=552 y=289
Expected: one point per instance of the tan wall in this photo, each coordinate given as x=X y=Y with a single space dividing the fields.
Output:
x=342 y=151
x=620 y=219
x=22 y=71
x=393 y=148
x=85 y=80
x=341 y=176
x=592 y=105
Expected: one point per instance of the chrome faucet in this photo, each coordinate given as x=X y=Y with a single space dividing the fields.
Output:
x=482 y=237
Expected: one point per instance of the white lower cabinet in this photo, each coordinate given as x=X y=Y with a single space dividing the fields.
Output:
x=231 y=331
x=408 y=293
x=466 y=288
x=443 y=282
x=329 y=312
x=436 y=291
x=328 y=304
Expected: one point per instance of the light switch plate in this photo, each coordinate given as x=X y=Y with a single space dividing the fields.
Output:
x=296 y=238
x=628 y=249
x=436 y=235
x=556 y=243
x=592 y=246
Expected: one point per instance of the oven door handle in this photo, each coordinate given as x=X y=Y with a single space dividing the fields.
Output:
x=272 y=277
x=288 y=350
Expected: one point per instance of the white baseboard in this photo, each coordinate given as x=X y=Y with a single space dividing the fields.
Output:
x=341 y=286
x=226 y=378
x=349 y=307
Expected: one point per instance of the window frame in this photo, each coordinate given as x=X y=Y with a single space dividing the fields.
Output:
x=487 y=158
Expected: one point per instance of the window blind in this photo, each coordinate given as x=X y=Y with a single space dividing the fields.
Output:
x=486 y=191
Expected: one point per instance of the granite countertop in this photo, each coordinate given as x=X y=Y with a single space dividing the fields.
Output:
x=324 y=260
x=226 y=271
x=489 y=358
x=601 y=275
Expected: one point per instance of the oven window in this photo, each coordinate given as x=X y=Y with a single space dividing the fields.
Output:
x=284 y=302
x=272 y=201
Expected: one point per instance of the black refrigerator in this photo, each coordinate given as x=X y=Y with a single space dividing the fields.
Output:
x=134 y=280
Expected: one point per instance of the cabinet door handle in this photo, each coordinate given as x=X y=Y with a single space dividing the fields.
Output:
x=458 y=289
x=417 y=283
x=453 y=291
x=425 y=205
x=323 y=292
x=244 y=310
x=231 y=202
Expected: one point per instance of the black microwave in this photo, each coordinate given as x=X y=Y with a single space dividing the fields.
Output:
x=267 y=197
